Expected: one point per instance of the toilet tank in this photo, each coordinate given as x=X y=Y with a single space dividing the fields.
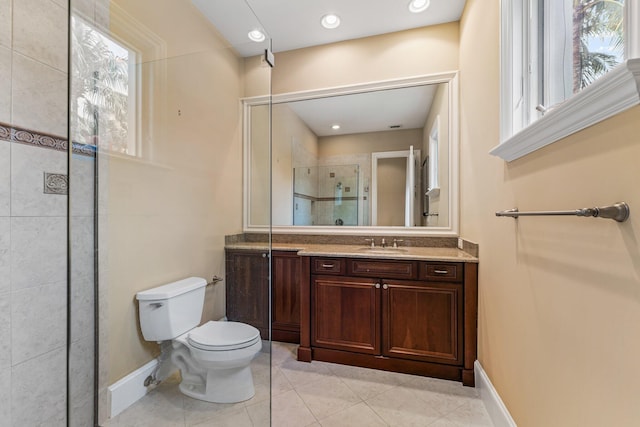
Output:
x=168 y=311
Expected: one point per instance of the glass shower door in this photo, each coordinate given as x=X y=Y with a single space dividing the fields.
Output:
x=156 y=177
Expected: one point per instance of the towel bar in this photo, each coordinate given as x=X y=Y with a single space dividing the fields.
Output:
x=618 y=212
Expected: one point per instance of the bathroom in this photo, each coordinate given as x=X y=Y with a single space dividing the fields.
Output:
x=558 y=297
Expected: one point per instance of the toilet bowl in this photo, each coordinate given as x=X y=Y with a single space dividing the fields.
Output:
x=214 y=358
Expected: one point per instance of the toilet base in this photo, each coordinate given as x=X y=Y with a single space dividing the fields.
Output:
x=222 y=386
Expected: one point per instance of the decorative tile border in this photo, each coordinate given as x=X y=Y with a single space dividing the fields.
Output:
x=43 y=140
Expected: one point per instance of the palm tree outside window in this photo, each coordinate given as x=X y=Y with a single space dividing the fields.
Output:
x=579 y=41
x=103 y=91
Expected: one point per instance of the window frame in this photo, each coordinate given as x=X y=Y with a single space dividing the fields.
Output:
x=616 y=91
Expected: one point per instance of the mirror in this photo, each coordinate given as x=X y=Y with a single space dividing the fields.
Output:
x=370 y=158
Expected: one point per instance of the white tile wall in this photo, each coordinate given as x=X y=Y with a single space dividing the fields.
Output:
x=40 y=31
x=5 y=177
x=82 y=305
x=81 y=247
x=81 y=369
x=33 y=95
x=38 y=321
x=28 y=165
x=5 y=23
x=38 y=251
x=5 y=81
x=65 y=5
x=82 y=411
x=39 y=96
x=5 y=397
x=81 y=185
x=5 y=255
x=38 y=391
x=5 y=333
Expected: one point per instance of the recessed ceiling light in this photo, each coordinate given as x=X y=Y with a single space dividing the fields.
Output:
x=256 y=36
x=417 y=6
x=335 y=127
x=330 y=21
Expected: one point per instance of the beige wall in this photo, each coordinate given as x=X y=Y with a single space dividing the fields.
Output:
x=392 y=181
x=260 y=166
x=168 y=211
x=288 y=131
x=371 y=142
x=409 y=53
x=559 y=297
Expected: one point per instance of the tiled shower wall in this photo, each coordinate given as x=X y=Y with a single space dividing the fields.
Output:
x=33 y=226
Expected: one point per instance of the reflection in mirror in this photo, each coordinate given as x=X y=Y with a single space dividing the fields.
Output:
x=364 y=158
x=327 y=195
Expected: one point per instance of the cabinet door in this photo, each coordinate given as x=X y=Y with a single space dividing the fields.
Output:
x=285 y=297
x=422 y=321
x=247 y=288
x=346 y=314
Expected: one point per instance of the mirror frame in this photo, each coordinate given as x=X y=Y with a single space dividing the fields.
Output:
x=452 y=230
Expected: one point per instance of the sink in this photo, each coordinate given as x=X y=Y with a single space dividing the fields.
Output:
x=380 y=250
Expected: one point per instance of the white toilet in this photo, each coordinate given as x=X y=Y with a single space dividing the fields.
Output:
x=214 y=358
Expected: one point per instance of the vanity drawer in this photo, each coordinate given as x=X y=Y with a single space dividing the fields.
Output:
x=328 y=266
x=441 y=272
x=383 y=268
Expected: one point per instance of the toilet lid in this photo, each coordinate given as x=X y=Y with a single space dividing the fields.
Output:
x=223 y=336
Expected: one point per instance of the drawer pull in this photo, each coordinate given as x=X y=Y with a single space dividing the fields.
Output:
x=327 y=265
x=440 y=271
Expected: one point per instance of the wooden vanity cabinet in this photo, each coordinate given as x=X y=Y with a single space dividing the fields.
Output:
x=409 y=316
x=285 y=298
x=247 y=288
x=346 y=314
x=247 y=292
x=422 y=321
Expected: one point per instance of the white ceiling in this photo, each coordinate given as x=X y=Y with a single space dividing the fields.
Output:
x=367 y=112
x=293 y=24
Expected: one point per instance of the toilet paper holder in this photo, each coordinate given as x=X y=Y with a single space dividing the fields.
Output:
x=215 y=280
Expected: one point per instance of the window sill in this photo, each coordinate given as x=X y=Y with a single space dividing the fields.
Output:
x=614 y=93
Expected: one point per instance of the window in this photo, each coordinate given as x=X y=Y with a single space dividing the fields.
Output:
x=433 y=187
x=561 y=61
x=104 y=91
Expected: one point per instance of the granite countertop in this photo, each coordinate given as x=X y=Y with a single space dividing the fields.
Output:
x=354 y=251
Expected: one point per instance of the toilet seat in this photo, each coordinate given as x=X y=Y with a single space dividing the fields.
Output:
x=220 y=336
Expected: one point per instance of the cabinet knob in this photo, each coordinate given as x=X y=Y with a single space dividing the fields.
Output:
x=385 y=286
x=377 y=285
x=264 y=255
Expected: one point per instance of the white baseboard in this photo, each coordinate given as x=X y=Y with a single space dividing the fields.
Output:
x=495 y=406
x=128 y=390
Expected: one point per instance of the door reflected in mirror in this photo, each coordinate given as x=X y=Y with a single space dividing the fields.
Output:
x=341 y=158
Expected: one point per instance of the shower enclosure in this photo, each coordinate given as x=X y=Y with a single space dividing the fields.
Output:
x=328 y=195
x=120 y=170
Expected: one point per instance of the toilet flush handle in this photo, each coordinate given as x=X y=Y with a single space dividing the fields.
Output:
x=155 y=305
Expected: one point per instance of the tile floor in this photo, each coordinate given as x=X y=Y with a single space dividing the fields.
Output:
x=316 y=394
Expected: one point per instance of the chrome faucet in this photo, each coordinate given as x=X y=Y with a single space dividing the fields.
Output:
x=395 y=242
x=383 y=243
x=372 y=242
